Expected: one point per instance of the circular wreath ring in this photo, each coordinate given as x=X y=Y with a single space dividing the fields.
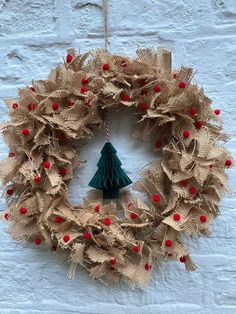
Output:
x=48 y=122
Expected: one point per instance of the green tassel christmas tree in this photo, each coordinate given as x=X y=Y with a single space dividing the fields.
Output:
x=109 y=177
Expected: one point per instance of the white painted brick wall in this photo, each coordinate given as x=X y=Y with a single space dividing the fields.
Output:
x=34 y=36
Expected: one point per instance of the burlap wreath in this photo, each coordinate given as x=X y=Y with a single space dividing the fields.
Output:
x=118 y=239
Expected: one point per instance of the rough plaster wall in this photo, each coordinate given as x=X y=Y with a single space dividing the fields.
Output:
x=34 y=36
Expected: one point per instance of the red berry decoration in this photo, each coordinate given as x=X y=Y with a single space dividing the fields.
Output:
x=11 y=154
x=9 y=191
x=144 y=91
x=156 y=198
x=186 y=134
x=182 y=85
x=142 y=82
x=83 y=90
x=37 y=241
x=136 y=248
x=193 y=111
x=66 y=238
x=217 y=112
x=23 y=210
x=87 y=235
x=168 y=243
x=113 y=261
x=25 y=131
x=192 y=190
x=97 y=208
x=107 y=221
x=55 y=106
x=69 y=58
x=175 y=75
x=106 y=67
x=46 y=164
x=15 y=105
x=37 y=179
x=158 y=143
x=198 y=124
x=6 y=216
x=63 y=171
x=143 y=106
x=58 y=219
x=183 y=259
x=176 y=217
x=125 y=98
x=84 y=81
x=184 y=182
x=228 y=163
x=133 y=215
x=148 y=266
x=203 y=218
x=32 y=107
x=157 y=88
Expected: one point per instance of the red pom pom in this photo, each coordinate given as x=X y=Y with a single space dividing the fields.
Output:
x=6 y=216
x=176 y=217
x=106 y=66
x=97 y=208
x=25 y=131
x=156 y=198
x=198 y=124
x=84 y=81
x=46 y=164
x=32 y=88
x=125 y=98
x=11 y=154
x=203 y=218
x=157 y=88
x=69 y=58
x=113 y=261
x=182 y=85
x=63 y=171
x=136 y=248
x=217 y=112
x=32 y=106
x=37 y=179
x=23 y=210
x=184 y=182
x=175 y=75
x=58 y=219
x=228 y=163
x=143 y=106
x=66 y=238
x=142 y=82
x=15 y=105
x=192 y=190
x=158 y=143
x=83 y=90
x=70 y=103
x=183 y=259
x=9 y=191
x=168 y=243
x=144 y=91
x=148 y=266
x=186 y=134
x=37 y=241
x=87 y=235
x=193 y=111
x=55 y=106
x=107 y=221
x=133 y=215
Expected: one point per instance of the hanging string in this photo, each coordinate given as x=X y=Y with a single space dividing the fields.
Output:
x=105 y=23
x=107 y=126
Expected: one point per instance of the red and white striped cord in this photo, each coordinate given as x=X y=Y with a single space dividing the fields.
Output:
x=107 y=126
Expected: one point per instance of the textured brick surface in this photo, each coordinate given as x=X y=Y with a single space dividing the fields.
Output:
x=34 y=36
